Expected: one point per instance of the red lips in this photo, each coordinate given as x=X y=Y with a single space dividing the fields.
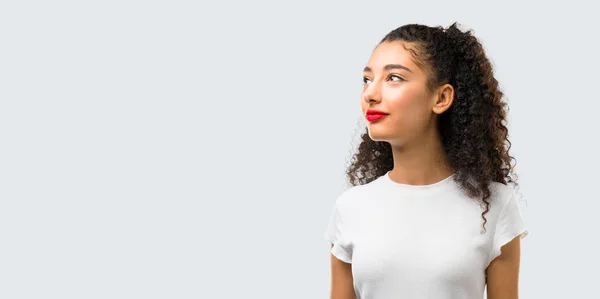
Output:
x=373 y=115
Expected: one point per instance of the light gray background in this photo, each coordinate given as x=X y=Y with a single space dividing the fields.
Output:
x=170 y=149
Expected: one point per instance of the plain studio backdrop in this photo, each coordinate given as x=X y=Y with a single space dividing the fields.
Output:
x=172 y=149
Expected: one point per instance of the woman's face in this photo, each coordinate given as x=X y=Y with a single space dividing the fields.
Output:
x=395 y=85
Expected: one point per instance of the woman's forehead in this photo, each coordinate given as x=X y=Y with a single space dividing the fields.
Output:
x=396 y=52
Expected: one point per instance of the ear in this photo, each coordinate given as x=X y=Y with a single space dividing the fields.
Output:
x=443 y=99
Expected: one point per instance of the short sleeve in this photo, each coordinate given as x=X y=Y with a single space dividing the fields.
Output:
x=509 y=225
x=336 y=236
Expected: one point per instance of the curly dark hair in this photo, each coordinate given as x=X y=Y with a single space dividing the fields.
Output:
x=473 y=130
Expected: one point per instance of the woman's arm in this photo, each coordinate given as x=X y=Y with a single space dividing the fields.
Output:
x=342 y=283
x=503 y=272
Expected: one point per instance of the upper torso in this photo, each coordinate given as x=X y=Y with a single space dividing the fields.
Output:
x=418 y=241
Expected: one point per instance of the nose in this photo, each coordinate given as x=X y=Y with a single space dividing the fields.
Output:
x=372 y=93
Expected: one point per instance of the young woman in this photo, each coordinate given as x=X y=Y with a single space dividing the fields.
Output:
x=432 y=212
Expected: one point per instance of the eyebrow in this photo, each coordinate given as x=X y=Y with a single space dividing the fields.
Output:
x=388 y=67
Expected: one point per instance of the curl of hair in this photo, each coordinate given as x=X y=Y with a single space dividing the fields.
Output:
x=473 y=130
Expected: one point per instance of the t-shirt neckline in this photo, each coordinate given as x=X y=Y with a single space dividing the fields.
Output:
x=434 y=187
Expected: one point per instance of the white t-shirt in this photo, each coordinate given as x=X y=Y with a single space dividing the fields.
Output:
x=407 y=241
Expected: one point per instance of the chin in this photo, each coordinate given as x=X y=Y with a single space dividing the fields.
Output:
x=378 y=135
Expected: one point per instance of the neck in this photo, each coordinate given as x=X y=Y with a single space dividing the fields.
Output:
x=422 y=162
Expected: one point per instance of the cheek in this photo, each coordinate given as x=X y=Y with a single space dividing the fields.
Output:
x=409 y=108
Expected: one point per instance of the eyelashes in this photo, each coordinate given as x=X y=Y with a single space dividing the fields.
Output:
x=392 y=77
x=396 y=77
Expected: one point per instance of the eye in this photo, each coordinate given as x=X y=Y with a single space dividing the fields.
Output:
x=366 y=80
x=396 y=78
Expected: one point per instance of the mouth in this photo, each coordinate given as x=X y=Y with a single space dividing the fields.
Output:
x=373 y=115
